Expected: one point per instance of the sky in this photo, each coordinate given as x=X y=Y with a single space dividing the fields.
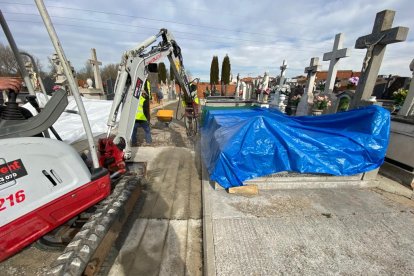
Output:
x=256 y=35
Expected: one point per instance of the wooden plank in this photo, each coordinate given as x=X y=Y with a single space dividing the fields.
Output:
x=244 y=190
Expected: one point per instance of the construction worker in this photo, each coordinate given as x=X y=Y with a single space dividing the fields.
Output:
x=194 y=96
x=142 y=117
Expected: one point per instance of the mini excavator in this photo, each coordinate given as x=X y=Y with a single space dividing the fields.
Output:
x=45 y=183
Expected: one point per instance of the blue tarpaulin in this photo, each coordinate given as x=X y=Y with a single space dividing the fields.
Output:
x=241 y=144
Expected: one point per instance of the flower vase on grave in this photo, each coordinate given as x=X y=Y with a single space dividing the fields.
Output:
x=282 y=105
x=317 y=112
x=293 y=110
x=90 y=83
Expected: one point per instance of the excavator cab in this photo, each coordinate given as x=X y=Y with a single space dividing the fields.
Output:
x=43 y=182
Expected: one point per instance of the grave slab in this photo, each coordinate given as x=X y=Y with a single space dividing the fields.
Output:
x=306 y=102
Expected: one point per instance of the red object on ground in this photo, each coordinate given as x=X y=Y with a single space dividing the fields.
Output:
x=111 y=156
x=21 y=232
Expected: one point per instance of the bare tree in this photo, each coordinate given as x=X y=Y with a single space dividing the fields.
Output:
x=52 y=67
x=86 y=72
x=40 y=67
x=109 y=71
x=8 y=64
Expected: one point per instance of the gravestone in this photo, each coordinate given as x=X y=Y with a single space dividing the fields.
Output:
x=237 y=92
x=337 y=53
x=306 y=102
x=408 y=106
x=263 y=88
x=279 y=100
x=249 y=91
x=280 y=90
x=375 y=43
x=399 y=164
x=32 y=75
x=283 y=68
x=60 y=77
x=244 y=90
x=334 y=57
x=164 y=90
x=172 y=93
x=96 y=92
x=96 y=74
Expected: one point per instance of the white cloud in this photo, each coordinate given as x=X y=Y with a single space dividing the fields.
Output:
x=257 y=35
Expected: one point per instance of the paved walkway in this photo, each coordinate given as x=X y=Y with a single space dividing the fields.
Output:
x=308 y=232
x=164 y=236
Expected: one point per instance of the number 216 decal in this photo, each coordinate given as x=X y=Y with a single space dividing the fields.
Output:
x=12 y=200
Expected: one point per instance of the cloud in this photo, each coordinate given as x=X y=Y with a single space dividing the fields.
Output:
x=257 y=35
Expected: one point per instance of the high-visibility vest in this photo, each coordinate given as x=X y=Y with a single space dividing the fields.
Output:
x=194 y=94
x=140 y=110
x=148 y=87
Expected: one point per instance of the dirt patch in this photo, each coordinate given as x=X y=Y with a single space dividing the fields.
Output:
x=30 y=261
x=271 y=205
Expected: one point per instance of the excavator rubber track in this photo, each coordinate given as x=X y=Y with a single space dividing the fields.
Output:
x=87 y=251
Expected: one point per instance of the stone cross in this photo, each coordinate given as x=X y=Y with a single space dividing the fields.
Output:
x=249 y=93
x=60 y=77
x=244 y=90
x=334 y=57
x=32 y=74
x=172 y=92
x=282 y=72
x=408 y=106
x=96 y=74
x=307 y=99
x=263 y=87
x=237 y=92
x=255 y=88
x=375 y=43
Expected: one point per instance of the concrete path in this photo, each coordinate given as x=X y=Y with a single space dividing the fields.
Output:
x=308 y=232
x=164 y=234
x=165 y=237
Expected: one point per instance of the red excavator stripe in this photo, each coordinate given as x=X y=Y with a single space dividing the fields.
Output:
x=21 y=232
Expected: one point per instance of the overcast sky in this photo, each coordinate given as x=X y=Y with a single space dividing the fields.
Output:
x=257 y=35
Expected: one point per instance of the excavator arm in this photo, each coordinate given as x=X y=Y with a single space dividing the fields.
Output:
x=132 y=74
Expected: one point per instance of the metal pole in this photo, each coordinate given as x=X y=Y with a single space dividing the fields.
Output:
x=37 y=71
x=16 y=53
x=66 y=68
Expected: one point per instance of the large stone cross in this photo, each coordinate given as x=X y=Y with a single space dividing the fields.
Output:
x=334 y=57
x=96 y=74
x=307 y=99
x=283 y=68
x=375 y=43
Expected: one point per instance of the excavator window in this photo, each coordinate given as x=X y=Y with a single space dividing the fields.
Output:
x=153 y=68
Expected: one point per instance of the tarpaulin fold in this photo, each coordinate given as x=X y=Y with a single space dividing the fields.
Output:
x=241 y=144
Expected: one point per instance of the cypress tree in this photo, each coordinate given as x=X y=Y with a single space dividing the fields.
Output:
x=214 y=71
x=172 y=76
x=162 y=72
x=225 y=70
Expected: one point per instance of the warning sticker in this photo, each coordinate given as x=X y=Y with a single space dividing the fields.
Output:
x=11 y=171
x=138 y=88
